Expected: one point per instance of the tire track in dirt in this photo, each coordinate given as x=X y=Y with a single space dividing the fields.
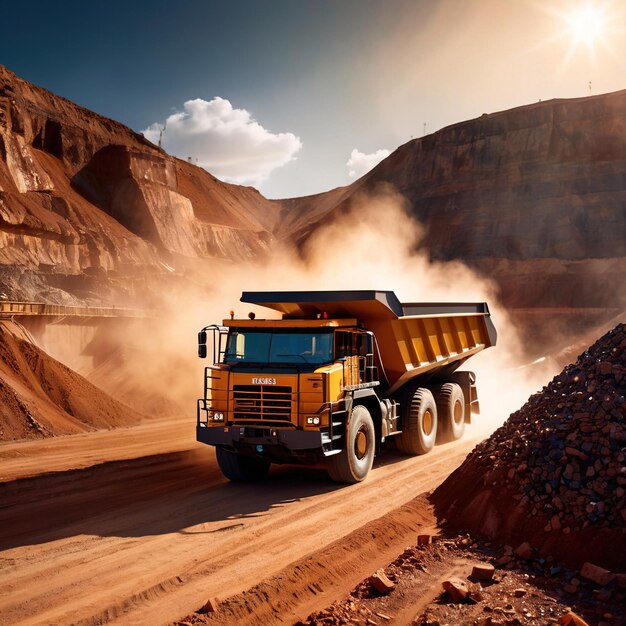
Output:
x=146 y=540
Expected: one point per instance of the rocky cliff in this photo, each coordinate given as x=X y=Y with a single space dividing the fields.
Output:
x=534 y=196
x=89 y=209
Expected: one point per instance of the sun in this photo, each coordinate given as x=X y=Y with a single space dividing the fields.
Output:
x=587 y=24
x=584 y=37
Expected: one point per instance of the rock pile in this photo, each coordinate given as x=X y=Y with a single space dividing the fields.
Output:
x=564 y=451
x=453 y=581
x=560 y=459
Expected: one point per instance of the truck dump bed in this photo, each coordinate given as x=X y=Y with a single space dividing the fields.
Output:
x=414 y=339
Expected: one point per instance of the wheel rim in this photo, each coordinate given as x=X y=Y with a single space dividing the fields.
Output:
x=360 y=444
x=427 y=422
x=458 y=412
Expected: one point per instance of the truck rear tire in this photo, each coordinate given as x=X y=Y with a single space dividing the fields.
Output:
x=354 y=462
x=240 y=468
x=419 y=424
x=451 y=411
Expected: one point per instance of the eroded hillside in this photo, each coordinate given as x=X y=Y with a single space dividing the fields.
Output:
x=534 y=197
x=91 y=211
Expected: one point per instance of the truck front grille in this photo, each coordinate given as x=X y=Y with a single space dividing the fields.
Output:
x=262 y=402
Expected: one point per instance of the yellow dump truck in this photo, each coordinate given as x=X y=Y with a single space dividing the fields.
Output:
x=340 y=373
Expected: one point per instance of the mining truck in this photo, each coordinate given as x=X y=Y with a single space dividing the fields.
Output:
x=339 y=374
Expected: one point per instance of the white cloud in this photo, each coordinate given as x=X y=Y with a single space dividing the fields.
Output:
x=360 y=163
x=227 y=142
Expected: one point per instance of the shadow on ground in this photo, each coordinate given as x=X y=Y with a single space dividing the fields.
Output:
x=149 y=496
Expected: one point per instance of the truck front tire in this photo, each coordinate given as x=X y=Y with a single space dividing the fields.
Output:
x=451 y=411
x=354 y=462
x=419 y=423
x=241 y=469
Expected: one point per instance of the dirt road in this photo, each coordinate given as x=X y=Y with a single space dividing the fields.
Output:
x=146 y=539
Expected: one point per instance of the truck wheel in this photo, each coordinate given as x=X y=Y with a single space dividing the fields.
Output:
x=451 y=410
x=354 y=462
x=241 y=469
x=419 y=424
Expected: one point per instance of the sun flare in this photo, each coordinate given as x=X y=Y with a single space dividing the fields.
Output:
x=587 y=24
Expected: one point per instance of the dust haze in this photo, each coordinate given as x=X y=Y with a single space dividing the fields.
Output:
x=375 y=245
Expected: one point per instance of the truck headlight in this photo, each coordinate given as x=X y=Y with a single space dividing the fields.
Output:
x=218 y=417
x=312 y=421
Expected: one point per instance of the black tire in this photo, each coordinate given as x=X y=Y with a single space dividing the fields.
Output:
x=419 y=423
x=241 y=469
x=451 y=412
x=354 y=462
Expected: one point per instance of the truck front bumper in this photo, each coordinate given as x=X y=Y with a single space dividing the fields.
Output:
x=278 y=444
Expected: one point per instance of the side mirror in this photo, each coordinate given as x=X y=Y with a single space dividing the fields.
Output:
x=202 y=344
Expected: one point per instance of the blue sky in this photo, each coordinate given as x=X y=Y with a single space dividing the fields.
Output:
x=320 y=78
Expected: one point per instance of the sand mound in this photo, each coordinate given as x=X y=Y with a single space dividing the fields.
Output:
x=40 y=397
x=555 y=474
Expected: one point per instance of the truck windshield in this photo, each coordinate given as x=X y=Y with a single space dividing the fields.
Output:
x=277 y=347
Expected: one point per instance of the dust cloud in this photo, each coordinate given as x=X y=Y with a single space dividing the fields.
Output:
x=374 y=245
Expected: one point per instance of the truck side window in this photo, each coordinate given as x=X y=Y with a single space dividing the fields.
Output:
x=358 y=344
x=342 y=346
x=363 y=344
x=241 y=346
x=235 y=346
x=350 y=344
